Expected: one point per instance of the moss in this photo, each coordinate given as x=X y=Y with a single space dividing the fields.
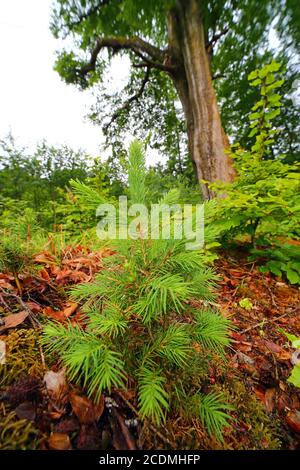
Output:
x=15 y=433
x=22 y=356
x=254 y=428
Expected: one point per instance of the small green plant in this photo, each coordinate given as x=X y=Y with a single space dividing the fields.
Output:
x=246 y=304
x=262 y=206
x=142 y=328
x=295 y=375
x=15 y=257
x=264 y=200
x=280 y=259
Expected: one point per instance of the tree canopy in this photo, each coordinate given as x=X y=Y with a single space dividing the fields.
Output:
x=238 y=40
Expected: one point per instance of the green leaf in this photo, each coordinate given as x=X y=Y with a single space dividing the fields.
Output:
x=274 y=66
x=246 y=304
x=254 y=116
x=292 y=338
x=253 y=75
x=292 y=276
x=295 y=376
x=256 y=82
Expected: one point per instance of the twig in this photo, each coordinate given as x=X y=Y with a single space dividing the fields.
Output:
x=35 y=323
x=153 y=428
x=258 y=324
x=23 y=305
x=2 y=301
x=272 y=296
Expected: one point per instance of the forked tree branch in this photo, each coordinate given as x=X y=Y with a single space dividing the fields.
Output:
x=92 y=10
x=125 y=106
x=215 y=38
x=151 y=55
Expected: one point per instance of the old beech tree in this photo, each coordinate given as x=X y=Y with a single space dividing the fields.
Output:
x=176 y=37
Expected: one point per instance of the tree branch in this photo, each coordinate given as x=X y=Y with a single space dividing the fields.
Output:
x=152 y=55
x=92 y=10
x=215 y=38
x=130 y=100
x=218 y=75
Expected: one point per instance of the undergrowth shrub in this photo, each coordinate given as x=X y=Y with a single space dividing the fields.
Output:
x=148 y=324
x=263 y=203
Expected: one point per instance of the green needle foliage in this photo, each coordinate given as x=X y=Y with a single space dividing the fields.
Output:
x=141 y=324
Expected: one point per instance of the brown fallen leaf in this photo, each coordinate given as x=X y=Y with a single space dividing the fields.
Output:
x=2 y=352
x=13 y=320
x=273 y=347
x=57 y=386
x=69 y=308
x=45 y=275
x=293 y=420
x=89 y=438
x=122 y=437
x=83 y=408
x=26 y=410
x=59 y=441
x=270 y=396
x=99 y=408
x=56 y=315
x=283 y=355
x=6 y=285
x=34 y=307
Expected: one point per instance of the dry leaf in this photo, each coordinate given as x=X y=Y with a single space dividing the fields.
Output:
x=99 y=408
x=293 y=420
x=69 y=308
x=59 y=441
x=2 y=352
x=270 y=399
x=83 y=408
x=26 y=410
x=57 y=386
x=11 y=321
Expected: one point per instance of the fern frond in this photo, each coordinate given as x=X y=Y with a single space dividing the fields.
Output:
x=137 y=173
x=212 y=412
x=187 y=261
x=174 y=344
x=152 y=397
x=86 y=357
x=171 y=197
x=87 y=194
x=111 y=321
x=160 y=294
x=212 y=330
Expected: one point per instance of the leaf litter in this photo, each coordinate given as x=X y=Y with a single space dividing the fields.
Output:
x=65 y=418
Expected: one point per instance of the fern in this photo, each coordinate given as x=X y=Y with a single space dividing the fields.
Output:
x=137 y=173
x=87 y=194
x=212 y=412
x=174 y=344
x=111 y=322
x=153 y=398
x=212 y=330
x=140 y=321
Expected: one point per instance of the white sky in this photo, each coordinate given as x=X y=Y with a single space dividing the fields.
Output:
x=34 y=102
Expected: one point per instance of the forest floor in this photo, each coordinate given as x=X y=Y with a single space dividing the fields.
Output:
x=39 y=409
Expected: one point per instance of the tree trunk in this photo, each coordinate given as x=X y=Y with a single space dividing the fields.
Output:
x=193 y=81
